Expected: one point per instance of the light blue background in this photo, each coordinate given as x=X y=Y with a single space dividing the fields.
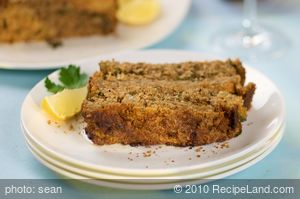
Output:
x=203 y=20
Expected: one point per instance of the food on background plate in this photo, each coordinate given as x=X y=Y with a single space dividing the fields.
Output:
x=53 y=20
x=138 y=12
x=181 y=104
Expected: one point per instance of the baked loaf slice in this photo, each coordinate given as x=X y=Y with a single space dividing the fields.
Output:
x=184 y=104
x=51 y=20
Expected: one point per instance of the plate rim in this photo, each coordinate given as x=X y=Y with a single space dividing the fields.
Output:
x=160 y=186
x=176 y=176
x=161 y=171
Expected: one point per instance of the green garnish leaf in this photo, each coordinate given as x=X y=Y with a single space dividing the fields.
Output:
x=52 y=87
x=70 y=78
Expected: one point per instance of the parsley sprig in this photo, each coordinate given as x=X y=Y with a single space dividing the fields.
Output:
x=69 y=77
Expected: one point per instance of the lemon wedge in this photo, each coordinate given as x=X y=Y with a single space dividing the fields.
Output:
x=64 y=104
x=138 y=12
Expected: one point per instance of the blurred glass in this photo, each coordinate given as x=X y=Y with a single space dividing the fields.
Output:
x=251 y=39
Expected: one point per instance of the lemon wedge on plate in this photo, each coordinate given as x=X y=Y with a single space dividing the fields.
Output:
x=64 y=104
x=138 y=12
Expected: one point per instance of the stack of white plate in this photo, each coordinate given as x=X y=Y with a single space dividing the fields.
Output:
x=65 y=149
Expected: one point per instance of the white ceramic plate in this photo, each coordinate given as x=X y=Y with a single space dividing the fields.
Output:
x=196 y=174
x=264 y=120
x=38 y=55
x=160 y=186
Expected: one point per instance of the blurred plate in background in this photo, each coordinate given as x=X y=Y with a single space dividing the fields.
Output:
x=39 y=55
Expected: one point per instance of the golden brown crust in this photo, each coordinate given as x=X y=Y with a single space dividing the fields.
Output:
x=3 y=3
x=184 y=104
x=247 y=93
x=127 y=124
x=98 y=6
x=239 y=69
x=52 y=20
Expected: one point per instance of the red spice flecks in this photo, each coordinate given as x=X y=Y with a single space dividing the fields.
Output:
x=147 y=153
x=250 y=123
x=224 y=145
x=198 y=149
x=71 y=127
